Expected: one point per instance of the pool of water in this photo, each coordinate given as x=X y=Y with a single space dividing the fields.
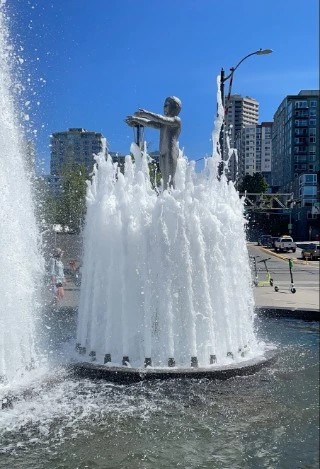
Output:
x=269 y=420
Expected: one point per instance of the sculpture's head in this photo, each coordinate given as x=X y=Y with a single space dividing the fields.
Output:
x=172 y=106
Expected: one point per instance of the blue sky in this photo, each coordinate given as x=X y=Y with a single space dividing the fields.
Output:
x=92 y=63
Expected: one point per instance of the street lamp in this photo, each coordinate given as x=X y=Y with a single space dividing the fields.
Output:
x=223 y=79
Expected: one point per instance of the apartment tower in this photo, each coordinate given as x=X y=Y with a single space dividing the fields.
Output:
x=255 y=150
x=241 y=112
x=75 y=145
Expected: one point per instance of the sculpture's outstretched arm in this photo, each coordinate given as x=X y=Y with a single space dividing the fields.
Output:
x=172 y=121
x=134 y=120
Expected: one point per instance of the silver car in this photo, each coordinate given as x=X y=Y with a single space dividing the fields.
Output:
x=311 y=251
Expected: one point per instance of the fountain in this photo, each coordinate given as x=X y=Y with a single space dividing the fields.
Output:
x=161 y=281
x=21 y=263
x=166 y=285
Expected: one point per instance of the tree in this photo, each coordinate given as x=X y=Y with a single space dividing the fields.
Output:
x=67 y=209
x=71 y=207
x=253 y=184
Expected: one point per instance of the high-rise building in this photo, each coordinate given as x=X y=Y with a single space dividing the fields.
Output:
x=75 y=145
x=296 y=159
x=51 y=184
x=241 y=112
x=295 y=139
x=254 y=150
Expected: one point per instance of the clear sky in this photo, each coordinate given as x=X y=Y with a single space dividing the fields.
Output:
x=92 y=63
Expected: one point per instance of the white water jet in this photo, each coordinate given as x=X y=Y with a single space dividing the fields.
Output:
x=21 y=263
x=165 y=276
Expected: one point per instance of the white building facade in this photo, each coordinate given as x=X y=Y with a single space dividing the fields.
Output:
x=255 y=150
x=241 y=112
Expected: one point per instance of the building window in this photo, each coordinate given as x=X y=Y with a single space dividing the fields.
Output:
x=299 y=140
x=301 y=123
x=299 y=104
x=309 y=178
x=300 y=158
x=300 y=131
x=313 y=103
x=301 y=113
x=310 y=191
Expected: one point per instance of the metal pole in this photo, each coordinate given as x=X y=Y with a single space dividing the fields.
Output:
x=221 y=136
x=221 y=140
x=138 y=134
x=223 y=79
x=290 y=225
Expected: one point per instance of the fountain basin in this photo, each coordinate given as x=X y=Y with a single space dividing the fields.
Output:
x=283 y=312
x=126 y=375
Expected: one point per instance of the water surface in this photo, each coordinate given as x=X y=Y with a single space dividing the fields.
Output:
x=267 y=420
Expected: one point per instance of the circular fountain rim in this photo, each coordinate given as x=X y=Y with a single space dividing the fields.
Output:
x=125 y=375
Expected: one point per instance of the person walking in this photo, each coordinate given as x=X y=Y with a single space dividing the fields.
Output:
x=57 y=275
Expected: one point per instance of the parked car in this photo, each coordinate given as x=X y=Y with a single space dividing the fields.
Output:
x=285 y=244
x=265 y=240
x=311 y=251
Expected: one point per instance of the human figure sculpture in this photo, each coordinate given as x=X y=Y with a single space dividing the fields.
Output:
x=170 y=127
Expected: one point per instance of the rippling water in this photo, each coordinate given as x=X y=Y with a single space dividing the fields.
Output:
x=267 y=420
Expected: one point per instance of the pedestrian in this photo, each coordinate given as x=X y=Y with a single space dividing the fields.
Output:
x=76 y=272
x=57 y=275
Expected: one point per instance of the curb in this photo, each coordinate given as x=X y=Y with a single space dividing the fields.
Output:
x=284 y=258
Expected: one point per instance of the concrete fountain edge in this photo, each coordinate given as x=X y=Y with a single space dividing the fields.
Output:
x=126 y=375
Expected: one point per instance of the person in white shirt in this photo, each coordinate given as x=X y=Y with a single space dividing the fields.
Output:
x=57 y=274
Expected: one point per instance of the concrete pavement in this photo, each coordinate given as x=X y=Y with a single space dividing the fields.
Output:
x=306 y=278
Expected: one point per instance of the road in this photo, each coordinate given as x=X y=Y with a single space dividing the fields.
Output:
x=305 y=277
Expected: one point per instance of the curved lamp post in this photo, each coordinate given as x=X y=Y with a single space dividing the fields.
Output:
x=224 y=78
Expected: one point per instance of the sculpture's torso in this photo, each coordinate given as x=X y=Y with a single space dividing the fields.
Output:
x=169 y=125
x=169 y=151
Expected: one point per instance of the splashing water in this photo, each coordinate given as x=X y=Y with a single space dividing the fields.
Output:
x=20 y=260
x=165 y=276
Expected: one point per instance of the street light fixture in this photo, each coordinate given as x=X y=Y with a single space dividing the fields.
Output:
x=233 y=69
x=223 y=79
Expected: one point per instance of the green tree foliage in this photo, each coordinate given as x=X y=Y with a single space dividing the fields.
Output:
x=68 y=209
x=253 y=184
x=72 y=206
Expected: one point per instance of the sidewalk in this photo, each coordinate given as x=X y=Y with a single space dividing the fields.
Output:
x=305 y=298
